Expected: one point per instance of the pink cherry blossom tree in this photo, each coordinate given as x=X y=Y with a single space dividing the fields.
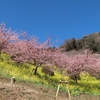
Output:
x=83 y=63
x=31 y=51
x=75 y=64
x=6 y=37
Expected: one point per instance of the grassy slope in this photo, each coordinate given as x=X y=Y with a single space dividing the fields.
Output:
x=23 y=72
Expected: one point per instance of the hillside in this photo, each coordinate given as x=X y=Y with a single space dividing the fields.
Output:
x=41 y=86
x=26 y=91
x=23 y=91
x=91 y=42
x=37 y=68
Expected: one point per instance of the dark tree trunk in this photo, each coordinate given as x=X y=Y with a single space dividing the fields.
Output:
x=35 y=70
x=76 y=78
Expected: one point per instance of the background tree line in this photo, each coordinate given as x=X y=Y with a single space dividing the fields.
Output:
x=91 y=42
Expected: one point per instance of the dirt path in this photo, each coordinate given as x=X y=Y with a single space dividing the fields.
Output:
x=23 y=91
x=7 y=92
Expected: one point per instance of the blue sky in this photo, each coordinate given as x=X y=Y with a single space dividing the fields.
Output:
x=60 y=19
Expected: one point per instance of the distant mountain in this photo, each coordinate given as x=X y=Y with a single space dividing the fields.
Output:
x=91 y=42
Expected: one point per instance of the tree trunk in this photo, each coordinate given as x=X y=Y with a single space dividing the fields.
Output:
x=76 y=78
x=35 y=70
x=0 y=56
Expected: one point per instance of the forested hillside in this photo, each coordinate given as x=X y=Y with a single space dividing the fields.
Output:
x=91 y=42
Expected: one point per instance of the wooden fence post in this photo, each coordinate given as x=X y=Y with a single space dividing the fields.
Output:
x=63 y=82
x=57 y=90
x=68 y=92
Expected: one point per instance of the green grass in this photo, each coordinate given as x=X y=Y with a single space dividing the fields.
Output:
x=23 y=72
x=87 y=85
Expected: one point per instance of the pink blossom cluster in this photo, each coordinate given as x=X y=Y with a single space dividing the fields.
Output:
x=31 y=51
